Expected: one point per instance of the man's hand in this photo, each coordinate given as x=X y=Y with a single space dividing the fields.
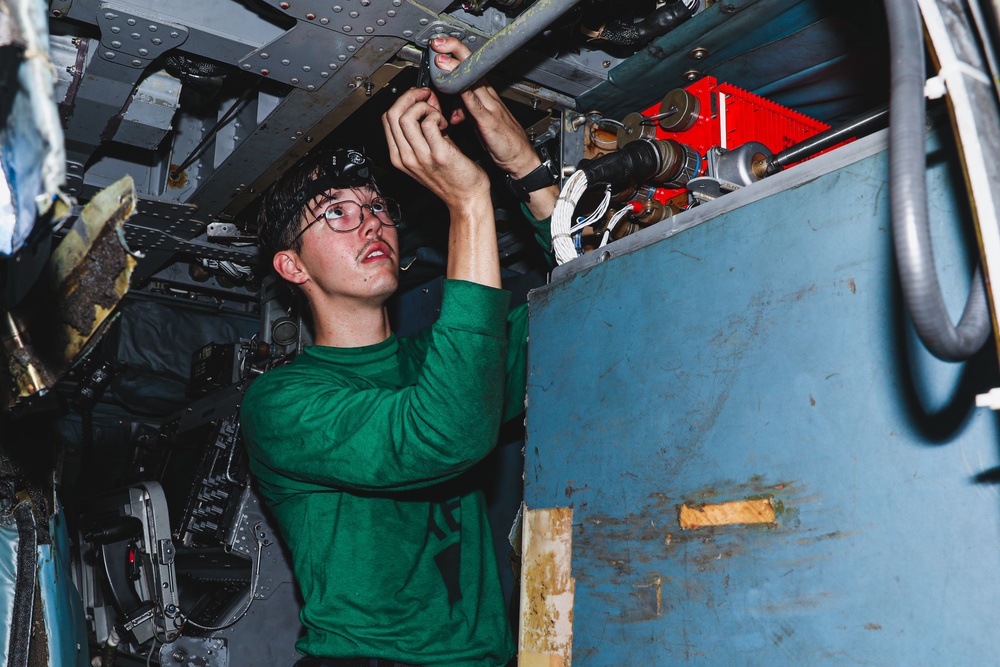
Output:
x=503 y=137
x=419 y=147
x=414 y=130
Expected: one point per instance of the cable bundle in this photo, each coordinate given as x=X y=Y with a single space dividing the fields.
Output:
x=562 y=217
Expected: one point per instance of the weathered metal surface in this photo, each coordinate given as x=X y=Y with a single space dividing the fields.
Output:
x=90 y=269
x=764 y=355
x=545 y=628
x=84 y=280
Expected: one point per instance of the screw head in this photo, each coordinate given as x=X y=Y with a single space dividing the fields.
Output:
x=699 y=53
x=691 y=75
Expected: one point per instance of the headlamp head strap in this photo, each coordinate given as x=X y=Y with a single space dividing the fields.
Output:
x=346 y=168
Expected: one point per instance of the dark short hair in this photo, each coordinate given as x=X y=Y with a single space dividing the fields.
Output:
x=282 y=204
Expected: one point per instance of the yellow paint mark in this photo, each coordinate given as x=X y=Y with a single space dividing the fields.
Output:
x=726 y=514
x=545 y=629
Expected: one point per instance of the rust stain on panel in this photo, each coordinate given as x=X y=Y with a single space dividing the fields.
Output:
x=727 y=514
x=545 y=634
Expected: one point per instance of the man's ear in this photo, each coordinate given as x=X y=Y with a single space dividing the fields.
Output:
x=288 y=265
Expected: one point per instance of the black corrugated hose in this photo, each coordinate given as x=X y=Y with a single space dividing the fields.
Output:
x=658 y=23
x=908 y=195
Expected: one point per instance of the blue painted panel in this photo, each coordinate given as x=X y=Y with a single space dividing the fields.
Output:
x=62 y=606
x=765 y=354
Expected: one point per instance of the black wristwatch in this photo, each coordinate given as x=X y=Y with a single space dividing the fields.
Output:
x=540 y=177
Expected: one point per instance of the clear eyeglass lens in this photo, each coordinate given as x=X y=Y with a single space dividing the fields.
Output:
x=345 y=216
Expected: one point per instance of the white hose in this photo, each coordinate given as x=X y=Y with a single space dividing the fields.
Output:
x=562 y=217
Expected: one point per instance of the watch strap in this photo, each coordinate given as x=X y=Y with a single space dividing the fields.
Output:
x=540 y=177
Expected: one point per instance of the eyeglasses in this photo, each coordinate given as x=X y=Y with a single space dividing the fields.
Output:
x=347 y=215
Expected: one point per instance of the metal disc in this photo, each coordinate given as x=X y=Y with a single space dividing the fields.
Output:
x=635 y=126
x=682 y=109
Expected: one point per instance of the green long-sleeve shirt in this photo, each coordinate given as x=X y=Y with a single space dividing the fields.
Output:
x=359 y=453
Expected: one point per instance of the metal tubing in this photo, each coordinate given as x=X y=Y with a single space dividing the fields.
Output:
x=852 y=128
x=512 y=37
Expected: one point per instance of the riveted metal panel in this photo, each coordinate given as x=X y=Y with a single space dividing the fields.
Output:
x=763 y=354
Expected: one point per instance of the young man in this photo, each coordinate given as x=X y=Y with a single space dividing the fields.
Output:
x=360 y=444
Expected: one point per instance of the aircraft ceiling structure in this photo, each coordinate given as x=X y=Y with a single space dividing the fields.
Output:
x=204 y=104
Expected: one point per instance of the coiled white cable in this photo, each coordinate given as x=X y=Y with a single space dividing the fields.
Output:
x=562 y=217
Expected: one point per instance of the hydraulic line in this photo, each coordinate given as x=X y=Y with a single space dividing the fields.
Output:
x=855 y=127
x=908 y=196
x=229 y=115
x=508 y=40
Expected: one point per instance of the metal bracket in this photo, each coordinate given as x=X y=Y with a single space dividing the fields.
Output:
x=324 y=37
x=195 y=652
x=572 y=140
x=59 y=8
x=165 y=551
x=227 y=232
x=173 y=217
x=167 y=225
x=439 y=29
x=156 y=239
x=134 y=40
x=305 y=56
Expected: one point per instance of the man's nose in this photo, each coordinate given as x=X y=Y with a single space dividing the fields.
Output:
x=371 y=224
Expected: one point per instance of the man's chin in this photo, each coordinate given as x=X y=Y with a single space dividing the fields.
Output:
x=384 y=285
